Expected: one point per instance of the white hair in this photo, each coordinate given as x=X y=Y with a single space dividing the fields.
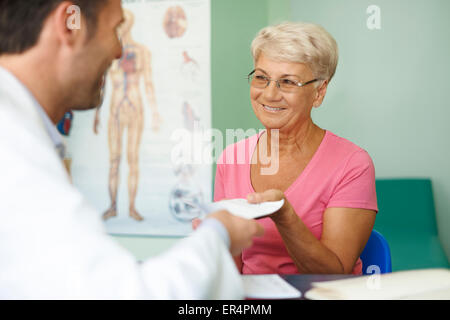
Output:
x=299 y=42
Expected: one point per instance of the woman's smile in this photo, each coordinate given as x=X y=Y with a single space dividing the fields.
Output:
x=272 y=109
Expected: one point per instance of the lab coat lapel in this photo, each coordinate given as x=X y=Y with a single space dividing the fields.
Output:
x=18 y=102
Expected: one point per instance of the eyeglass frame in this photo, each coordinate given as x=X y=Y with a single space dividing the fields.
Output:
x=298 y=83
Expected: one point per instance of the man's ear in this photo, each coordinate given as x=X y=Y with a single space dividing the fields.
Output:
x=320 y=94
x=67 y=23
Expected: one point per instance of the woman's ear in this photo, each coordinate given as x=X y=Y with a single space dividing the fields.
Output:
x=320 y=94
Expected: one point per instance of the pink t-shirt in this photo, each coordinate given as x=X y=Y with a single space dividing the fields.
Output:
x=340 y=174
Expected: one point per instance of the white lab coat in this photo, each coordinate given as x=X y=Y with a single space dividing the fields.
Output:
x=53 y=244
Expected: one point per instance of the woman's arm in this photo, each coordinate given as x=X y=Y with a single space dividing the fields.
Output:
x=344 y=236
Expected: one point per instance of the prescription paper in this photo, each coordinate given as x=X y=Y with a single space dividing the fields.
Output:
x=268 y=286
x=243 y=209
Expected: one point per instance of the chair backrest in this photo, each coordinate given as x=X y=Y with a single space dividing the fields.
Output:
x=376 y=256
x=405 y=205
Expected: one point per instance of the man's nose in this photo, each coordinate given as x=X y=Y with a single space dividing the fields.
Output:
x=119 y=52
x=118 y=49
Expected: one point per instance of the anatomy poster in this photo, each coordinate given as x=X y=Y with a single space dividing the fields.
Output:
x=125 y=157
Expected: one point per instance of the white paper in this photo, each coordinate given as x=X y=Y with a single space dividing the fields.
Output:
x=268 y=286
x=243 y=209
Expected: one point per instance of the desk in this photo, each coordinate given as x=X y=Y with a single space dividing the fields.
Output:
x=302 y=282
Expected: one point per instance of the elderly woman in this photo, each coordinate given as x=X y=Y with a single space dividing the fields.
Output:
x=327 y=182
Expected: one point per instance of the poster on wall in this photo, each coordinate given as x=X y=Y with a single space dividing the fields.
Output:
x=125 y=154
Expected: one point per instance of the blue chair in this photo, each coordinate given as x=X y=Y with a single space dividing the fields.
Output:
x=376 y=253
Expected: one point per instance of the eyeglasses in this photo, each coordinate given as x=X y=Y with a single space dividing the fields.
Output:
x=286 y=85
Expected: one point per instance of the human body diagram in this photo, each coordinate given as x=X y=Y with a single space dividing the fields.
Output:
x=127 y=112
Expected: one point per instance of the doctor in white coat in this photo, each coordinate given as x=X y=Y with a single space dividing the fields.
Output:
x=52 y=242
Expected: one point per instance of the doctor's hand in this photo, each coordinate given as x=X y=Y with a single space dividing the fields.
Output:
x=285 y=215
x=241 y=231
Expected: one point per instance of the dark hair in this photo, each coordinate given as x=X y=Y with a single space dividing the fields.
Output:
x=21 y=21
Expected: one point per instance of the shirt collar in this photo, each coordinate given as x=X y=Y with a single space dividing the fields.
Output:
x=53 y=133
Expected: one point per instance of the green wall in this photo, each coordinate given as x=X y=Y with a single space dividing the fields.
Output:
x=391 y=91
x=234 y=23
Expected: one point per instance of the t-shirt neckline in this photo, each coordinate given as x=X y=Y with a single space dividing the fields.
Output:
x=300 y=176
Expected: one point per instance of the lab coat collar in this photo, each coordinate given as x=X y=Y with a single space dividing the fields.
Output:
x=14 y=85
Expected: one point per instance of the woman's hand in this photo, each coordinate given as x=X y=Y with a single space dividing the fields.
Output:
x=285 y=215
